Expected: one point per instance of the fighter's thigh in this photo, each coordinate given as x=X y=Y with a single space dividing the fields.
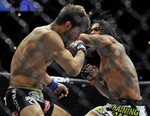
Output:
x=58 y=111
x=98 y=111
x=32 y=110
x=91 y=113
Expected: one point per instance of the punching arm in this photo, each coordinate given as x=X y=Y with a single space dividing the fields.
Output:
x=92 y=74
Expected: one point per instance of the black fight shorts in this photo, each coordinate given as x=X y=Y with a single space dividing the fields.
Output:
x=18 y=98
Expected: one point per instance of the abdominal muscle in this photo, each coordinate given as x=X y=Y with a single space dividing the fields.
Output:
x=119 y=90
x=30 y=76
x=23 y=82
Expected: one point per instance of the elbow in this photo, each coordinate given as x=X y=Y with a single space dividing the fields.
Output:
x=82 y=37
x=73 y=72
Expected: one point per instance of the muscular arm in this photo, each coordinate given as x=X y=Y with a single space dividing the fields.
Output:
x=102 y=88
x=54 y=44
x=99 y=41
x=93 y=74
x=47 y=79
x=101 y=85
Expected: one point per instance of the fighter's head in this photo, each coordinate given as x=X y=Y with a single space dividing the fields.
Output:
x=75 y=14
x=74 y=18
x=101 y=26
x=105 y=24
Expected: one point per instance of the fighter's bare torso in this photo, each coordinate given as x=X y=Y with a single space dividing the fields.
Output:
x=28 y=66
x=117 y=70
x=119 y=74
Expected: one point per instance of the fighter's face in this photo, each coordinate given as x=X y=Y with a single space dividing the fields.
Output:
x=95 y=29
x=73 y=33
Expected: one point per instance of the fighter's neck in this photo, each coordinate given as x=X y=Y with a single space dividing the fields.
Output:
x=58 y=28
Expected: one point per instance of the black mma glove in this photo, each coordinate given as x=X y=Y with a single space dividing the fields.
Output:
x=81 y=46
x=90 y=73
x=76 y=46
x=61 y=91
x=58 y=89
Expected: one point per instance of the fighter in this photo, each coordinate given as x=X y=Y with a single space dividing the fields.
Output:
x=116 y=77
x=26 y=93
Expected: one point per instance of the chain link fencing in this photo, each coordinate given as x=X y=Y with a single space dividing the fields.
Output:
x=17 y=19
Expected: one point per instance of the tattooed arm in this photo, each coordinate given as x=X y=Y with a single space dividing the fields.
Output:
x=99 y=41
x=92 y=74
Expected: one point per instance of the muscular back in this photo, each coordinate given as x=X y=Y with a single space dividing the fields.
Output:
x=30 y=60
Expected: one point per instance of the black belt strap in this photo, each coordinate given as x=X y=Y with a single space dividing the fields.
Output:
x=132 y=103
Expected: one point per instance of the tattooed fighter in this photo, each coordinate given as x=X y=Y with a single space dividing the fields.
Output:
x=116 y=77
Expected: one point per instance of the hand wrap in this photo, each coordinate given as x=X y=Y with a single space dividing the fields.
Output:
x=81 y=46
x=61 y=91
x=53 y=85
x=76 y=46
x=90 y=73
x=58 y=89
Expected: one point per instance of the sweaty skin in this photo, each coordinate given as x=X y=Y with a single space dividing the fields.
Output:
x=37 y=51
x=117 y=72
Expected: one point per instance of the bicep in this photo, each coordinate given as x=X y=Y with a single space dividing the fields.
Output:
x=86 y=39
x=102 y=41
x=98 y=41
x=57 y=51
x=65 y=59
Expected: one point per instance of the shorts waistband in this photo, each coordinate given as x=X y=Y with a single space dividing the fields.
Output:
x=27 y=88
x=127 y=102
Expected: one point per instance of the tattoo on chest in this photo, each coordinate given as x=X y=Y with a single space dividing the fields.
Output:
x=128 y=78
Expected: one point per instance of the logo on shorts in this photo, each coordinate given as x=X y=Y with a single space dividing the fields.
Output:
x=37 y=96
x=15 y=99
x=124 y=111
x=30 y=100
x=100 y=110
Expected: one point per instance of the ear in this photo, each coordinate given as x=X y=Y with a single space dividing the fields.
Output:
x=68 y=25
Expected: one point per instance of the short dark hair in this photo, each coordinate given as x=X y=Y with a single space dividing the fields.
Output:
x=76 y=14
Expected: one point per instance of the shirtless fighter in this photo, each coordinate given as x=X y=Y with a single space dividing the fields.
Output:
x=116 y=77
x=36 y=52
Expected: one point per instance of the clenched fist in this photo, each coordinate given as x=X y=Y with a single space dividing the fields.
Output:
x=76 y=46
x=61 y=91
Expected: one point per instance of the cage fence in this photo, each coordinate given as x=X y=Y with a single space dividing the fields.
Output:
x=19 y=17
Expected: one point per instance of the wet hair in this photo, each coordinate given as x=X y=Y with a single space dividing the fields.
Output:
x=108 y=26
x=76 y=14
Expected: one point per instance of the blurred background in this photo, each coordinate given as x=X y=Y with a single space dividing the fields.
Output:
x=19 y=17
